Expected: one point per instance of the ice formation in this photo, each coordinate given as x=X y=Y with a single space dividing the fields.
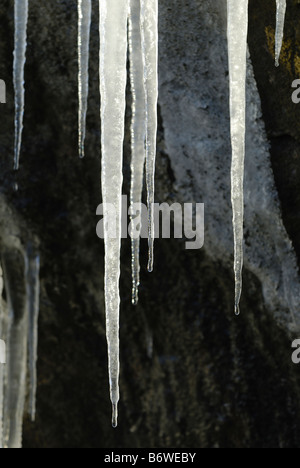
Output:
x=143 y=45
x=149 y=30
x=84 y=25
x=138 y=133
x=113 y=76
x=2 y=332
x=18 y=328
x=21 y=18
x=32 y=274
x=237 y=53
x=280 y=17
x=16 y=341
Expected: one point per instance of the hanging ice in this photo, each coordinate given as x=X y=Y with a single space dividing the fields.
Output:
x=18 y=329
x=2 y=337
x=17 y=333
x=21 y=18
x=113 y=74
x=84 y=25
x=138 y=132
x=237 y=52
x=149 y=28
x=32 y=271
x=280 y=18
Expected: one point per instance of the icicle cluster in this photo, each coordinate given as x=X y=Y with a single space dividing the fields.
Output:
x=113 y=74
x=143 y=26
x=18 y=328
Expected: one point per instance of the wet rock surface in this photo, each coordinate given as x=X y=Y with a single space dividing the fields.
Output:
x=212 y=380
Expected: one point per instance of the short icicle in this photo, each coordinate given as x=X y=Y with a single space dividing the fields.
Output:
x=280 y=18
x=21 y=19
x=149 y=29
x=113 y=76
x=237 y=51
x=32 y=273
x=138 y=133
x=84 y=26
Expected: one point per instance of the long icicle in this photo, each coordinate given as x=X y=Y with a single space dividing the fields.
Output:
x=21 y=19
x=2 y=337
x=138 y=133
x=32 y=272
x=237 y=52
x=113 y=75
x=149 y=28
x=280 y=18
x=84 y=26
x=16 y=367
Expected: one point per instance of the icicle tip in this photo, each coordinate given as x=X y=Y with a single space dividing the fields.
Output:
x=151 y=256
x=135 y=296
x=115 y=415
x=81 y=149
x=81 y=154
x=16 y=162
x=237 y=310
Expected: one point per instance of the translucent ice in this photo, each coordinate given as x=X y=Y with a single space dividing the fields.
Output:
x=237 y=52
x=21 y=18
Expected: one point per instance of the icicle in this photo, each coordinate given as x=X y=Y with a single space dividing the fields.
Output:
x=280 y=17
x=2 y=337
x=113 y=74
x=149 y=28
x=84 y=25
x=21 y=18
x=138 y=132
x=237 y=50
x=32 y=263
x=17 y=333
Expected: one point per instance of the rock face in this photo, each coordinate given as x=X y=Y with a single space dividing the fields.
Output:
x=213 y=380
